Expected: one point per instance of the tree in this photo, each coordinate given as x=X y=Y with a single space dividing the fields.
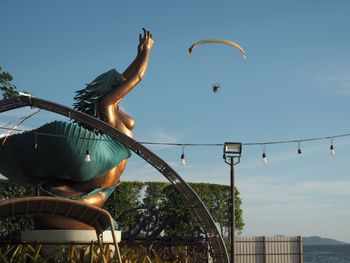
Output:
x=238 y=212
x=216 y=198
x=161 y=203
x=8 y=89
x=183 y=223
x=124 y=204
x=152 y=201
x=157 y=205
x=8 y=190
x=153 y=194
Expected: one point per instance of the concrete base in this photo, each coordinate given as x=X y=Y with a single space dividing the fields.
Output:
x=66 y=236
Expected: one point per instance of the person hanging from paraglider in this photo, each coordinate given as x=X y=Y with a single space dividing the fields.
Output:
x=216 y=87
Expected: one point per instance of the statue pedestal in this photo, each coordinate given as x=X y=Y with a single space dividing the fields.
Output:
x=67 y=236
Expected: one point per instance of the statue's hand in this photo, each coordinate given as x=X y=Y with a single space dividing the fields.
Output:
x=146 y=41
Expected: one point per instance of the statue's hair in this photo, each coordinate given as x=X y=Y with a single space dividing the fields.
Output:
x=88 y=100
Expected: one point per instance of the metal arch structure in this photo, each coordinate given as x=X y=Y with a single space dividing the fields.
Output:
x=218 y=249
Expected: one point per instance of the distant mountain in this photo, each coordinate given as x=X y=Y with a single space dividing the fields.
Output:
x=316 y=240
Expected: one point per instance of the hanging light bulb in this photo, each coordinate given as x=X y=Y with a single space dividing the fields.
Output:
x=183 y=160
x=299 y=150
x=331 y=148
x=35 y=141
x=87 y=156
x=264 y=158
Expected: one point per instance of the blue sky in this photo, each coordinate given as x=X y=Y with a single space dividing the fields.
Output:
x=295 y=84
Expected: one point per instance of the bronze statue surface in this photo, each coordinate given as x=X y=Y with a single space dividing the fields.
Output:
x=91 y=183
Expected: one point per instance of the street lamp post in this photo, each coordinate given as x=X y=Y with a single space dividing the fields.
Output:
x=232 y=156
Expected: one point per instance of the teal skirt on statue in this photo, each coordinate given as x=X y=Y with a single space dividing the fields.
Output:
x=57 y=150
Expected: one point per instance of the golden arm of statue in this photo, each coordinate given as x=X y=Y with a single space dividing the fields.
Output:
x=131 y=69
x=134 y=73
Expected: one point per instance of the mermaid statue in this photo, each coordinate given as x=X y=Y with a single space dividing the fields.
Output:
x=73 y=160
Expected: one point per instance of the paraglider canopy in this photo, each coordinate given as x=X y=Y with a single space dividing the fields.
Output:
x=221 y=41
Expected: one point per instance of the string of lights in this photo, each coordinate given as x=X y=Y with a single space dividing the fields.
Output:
x=183 y=145
x=194 y=144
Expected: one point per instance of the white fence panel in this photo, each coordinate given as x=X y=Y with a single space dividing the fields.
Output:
x=275 y=249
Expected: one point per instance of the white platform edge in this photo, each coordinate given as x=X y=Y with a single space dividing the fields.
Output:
x=66 y=236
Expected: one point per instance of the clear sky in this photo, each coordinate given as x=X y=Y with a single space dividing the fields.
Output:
x=295 y=84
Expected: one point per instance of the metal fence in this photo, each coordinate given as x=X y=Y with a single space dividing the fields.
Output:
x=263 y=249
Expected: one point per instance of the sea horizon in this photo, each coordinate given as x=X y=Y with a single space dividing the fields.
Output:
x=326 y=253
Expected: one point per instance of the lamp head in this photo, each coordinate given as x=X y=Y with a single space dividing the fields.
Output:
x=232 y=150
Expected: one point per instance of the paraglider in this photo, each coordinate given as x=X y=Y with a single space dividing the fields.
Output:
x=221 y=41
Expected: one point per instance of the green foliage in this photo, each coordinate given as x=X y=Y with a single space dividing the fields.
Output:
x=159 y=201
x=7 y=88
x=175 y=208
x=123 y=203
x=152 y=201
x=9 y=189
x=216 y=197
x=238 y=212
x=164 y=203
x=153 y=193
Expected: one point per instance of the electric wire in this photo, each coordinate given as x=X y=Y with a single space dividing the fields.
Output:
x=264 y=143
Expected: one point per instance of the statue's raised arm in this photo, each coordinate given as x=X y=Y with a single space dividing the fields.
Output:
x=134 y=73
x=131 y=77
x=101 y=97
x=140 y=63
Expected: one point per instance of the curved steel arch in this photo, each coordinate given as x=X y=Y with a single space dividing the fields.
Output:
x=218 y=249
